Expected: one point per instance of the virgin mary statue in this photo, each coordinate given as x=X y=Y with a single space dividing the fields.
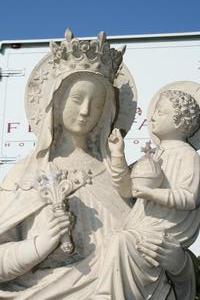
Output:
x=74 y=97
x=71 y=104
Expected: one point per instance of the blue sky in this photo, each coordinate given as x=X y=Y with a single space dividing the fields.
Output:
x=34 y=19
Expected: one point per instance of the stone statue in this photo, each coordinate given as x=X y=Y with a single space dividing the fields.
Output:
x=65 y=232
x=166 y=180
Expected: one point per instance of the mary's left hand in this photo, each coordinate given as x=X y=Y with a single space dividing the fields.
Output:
x=163 y=250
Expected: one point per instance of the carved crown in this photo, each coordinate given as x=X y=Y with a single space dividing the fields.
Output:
x=95 y=55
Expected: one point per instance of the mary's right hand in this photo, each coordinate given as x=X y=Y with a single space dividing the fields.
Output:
x=57 y=226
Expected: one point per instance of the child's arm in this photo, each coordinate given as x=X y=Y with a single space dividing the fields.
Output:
x=185 y=195
x=119 y=168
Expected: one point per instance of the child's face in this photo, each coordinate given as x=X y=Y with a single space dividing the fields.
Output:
x=162 y=123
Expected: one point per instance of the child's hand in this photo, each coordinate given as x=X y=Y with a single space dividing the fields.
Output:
x=116 y=143
x=142 y=192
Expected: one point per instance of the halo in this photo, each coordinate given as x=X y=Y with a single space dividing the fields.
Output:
x=44 y=81
x=127 y=99
x=189 y=87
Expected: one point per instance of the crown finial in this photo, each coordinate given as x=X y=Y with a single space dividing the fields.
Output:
x=123 y=50
x=102 y=37
x=69 y=34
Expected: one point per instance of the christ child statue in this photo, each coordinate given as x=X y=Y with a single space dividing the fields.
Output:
x=165 y=182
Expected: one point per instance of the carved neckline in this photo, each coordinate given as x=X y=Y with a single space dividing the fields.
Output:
x=80 y=160
x=172 y=144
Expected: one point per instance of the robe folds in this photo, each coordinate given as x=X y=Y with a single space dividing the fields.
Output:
x=99 y=212
x=105 y=265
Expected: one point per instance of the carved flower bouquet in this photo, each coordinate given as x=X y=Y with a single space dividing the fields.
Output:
x=55 y=187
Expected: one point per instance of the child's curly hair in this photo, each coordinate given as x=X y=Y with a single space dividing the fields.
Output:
x=187 y=111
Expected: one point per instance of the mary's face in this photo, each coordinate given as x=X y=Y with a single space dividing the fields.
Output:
x=83 y=105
